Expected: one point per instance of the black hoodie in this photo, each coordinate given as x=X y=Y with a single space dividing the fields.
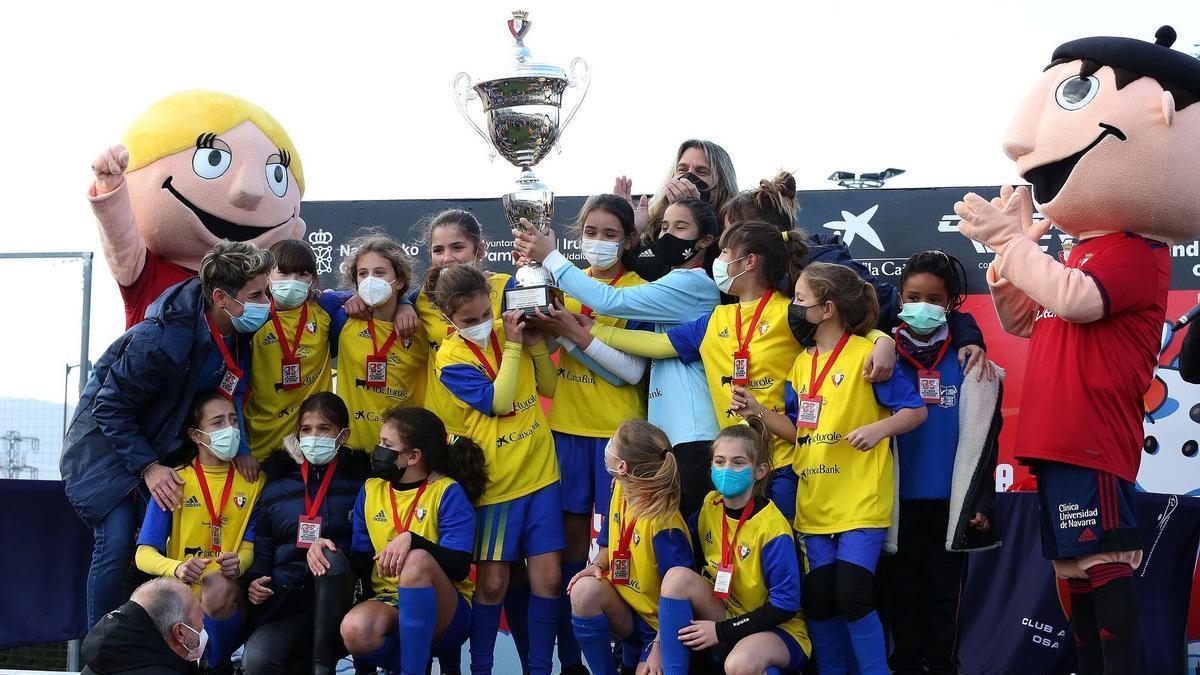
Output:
x=126 y=641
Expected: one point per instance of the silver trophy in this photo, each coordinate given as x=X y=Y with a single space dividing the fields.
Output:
x=521 y=111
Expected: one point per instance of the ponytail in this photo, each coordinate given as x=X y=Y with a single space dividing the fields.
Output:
x=855 y=299
x=652 y=486
x=781 y=256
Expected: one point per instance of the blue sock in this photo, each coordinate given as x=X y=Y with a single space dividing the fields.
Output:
x=674 y=614
x=418 y=612
x=568 y=647
x=222 y=637
x=593 y=635
x=516 y=611
x=543 y=626
x=485 y=622
x=772 y=670
x=866 y=637
x=386 y=655
x=830 y=645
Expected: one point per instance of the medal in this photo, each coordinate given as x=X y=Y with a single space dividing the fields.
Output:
x=308 y=528
x=376 y=376
x=741 y=357
x=290 y=376
x=724 y=578
x=214 y=514
x=233 y=374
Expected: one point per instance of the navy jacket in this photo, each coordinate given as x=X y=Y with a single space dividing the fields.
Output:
x=828 y=248
x=134 y=408
x=277 y=513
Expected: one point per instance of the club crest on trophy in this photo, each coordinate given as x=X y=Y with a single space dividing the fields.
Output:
x=522 y=110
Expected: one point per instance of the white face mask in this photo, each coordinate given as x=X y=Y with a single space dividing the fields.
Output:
x=479 y=333
x=721 y=274
x=318 y=449
x=601 y=254
x=194 y=653
x=223 y=443
x=374 y=291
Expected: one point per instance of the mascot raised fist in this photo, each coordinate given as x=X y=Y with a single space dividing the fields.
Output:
x=196 y=168
x=1109 y=138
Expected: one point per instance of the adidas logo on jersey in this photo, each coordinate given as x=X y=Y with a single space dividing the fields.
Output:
x=379 y=517
x=708 y=537
x=364 y=333
x=648 y=253
x=270 y=339
x=1087 y=535
x=724 y=332
x=191 y=502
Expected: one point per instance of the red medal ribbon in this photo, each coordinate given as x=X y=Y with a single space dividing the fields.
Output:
x=230 y=362
x=726 y=542
x=283 y=345
x=401 y=529
x=814 y=382
x=483 y=360
x=916 y=364
x=311 y=506
x=387 y=344
x=214 y=515
x=587 y=311
x=744 y=344
x=626 y=531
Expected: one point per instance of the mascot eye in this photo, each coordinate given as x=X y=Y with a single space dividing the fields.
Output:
x=1076 y=92
x=277 y=178
x=211 y=163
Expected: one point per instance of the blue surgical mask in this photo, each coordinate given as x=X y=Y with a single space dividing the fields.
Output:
x=923 y=317
x=254 y=315
x=721 y=274
x=318 y=450
x=223 y=443
x=289 y=293
x=732 y=483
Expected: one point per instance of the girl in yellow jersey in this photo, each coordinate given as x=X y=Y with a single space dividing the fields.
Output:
x=209 y=542
x=746 y=599
x=641 y=539
x=290 y=354
x=842 y=426
x=454 y=237
x=520 y=513
x=413 y=529
x=377 y=368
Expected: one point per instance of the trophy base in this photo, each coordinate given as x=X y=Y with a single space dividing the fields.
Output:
x=531 y=299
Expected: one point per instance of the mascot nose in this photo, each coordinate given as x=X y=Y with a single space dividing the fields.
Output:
x=1015 y=149
x=247 y=190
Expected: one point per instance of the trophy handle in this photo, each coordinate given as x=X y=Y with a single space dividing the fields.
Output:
x=463 y=92
x=580 y=76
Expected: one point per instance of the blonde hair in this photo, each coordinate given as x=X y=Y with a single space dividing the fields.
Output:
x=174 y=123
x=757 y=439
x=773 y=201
x=652 y=487
x=722 y=186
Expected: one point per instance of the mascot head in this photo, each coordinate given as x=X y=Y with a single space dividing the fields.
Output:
x=206 y=166
x=1110 y=138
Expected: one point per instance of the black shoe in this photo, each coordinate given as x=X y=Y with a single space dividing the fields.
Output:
x=576 y=669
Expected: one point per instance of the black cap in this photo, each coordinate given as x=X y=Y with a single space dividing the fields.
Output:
x=1150 y=59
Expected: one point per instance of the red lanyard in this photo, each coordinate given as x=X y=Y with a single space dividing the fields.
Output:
x=283 y=345
x=814 y=382
x=214 y=515
x=626 y=531
x=311 y=506
x=587 y=311
x=726 y=542
x=387 y=344
x=916 y=364
x=230 y=363
x=744 y=343
x=483 y=360
x=411 y=509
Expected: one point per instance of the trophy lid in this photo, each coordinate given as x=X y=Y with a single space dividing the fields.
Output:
x=519 y=27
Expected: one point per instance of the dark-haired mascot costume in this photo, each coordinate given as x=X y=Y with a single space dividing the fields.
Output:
x=1109 y=138
x=196 y=168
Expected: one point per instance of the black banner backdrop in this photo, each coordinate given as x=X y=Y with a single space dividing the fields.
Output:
x=882 y=227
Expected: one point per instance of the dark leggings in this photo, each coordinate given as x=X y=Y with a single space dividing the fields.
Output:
x=694 y=460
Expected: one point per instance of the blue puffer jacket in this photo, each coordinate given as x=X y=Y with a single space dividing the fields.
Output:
x=277 y=513
x=828 y=248
x=135 y=405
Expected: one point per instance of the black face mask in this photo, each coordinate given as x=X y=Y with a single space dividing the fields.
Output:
x=383 y=463
x=804 y=330
x=673 y=251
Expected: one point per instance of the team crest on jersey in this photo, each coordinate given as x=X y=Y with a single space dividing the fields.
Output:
x=270 y=339
x=949 y=397
x=637 y=538
x=743 y=552
x=434 y=345
x=837 y=379
x=191 y=502
x=724 y=332
x=379 y=517
x=763 y=328
x=421 y=513
x=311 y=327
x=407 y=343
x=239 y=499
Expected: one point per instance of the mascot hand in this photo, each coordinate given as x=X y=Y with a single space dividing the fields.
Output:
x=110 y=167
x=995 y=226
x=1034 y=229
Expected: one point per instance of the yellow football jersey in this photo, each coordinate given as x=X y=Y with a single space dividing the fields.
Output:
x=405 y=361
x=645 y=568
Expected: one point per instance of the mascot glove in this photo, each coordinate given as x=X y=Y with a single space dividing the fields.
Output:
x=996 y=223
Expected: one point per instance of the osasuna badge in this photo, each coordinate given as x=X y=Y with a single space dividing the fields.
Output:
x=229 y=383
x=290 y=377
x=308 y=530
x=376 y=371
x=929 y=386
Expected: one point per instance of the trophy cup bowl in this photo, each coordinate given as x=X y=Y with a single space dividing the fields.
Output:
x=521 y=112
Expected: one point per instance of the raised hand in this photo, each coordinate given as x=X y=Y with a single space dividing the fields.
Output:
x=109 y=167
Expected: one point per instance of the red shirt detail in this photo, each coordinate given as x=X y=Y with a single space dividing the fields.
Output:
x=158 y=274
x=1084 y=382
